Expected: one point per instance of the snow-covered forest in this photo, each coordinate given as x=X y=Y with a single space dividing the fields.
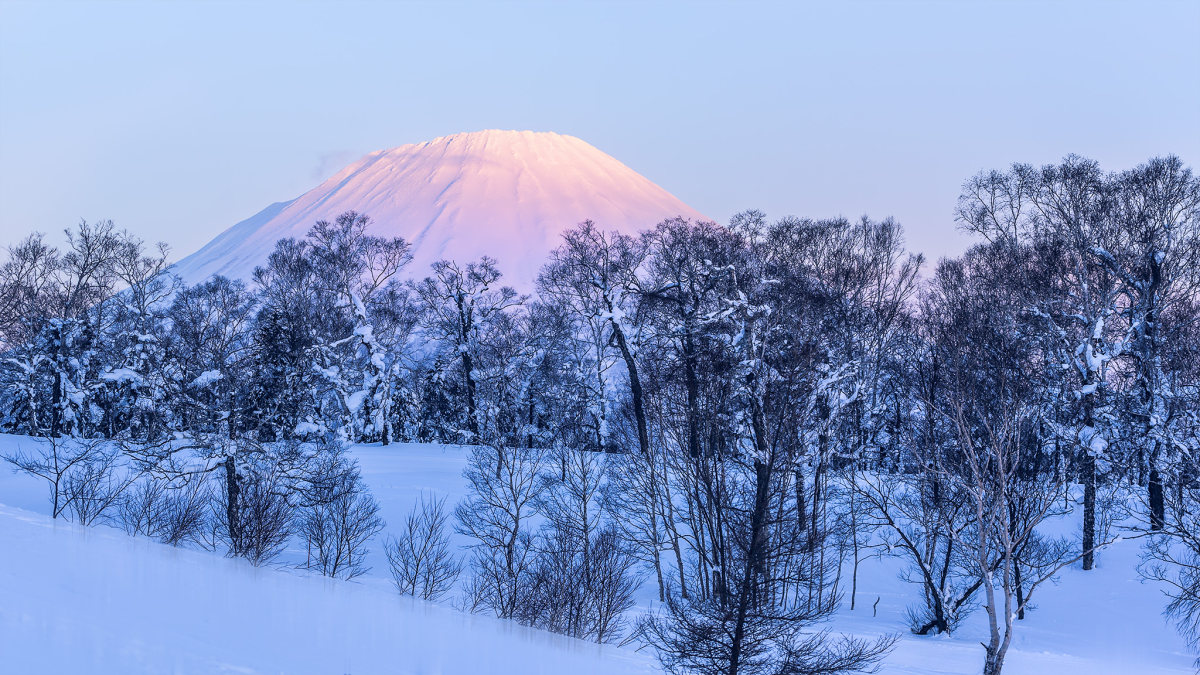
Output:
x=733 y=418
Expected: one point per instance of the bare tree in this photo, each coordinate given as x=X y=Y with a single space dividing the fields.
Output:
x=256 y=523
x=497 y=513
x=914 y=517
x=422 y=562
x=1173 y=559
x=95 y=485
x=581 y=589
x=73 y=469
x=1172 y=552
x=173 y=511
x=1007 y=506
x=338 y=517
x=582 y=583
x=697 y=636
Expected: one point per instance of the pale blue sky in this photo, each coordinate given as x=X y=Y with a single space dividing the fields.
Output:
x=177 y=120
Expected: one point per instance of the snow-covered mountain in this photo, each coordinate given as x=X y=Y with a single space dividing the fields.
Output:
x=507 y=194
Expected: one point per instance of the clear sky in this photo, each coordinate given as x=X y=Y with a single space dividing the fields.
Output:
x=177 y=120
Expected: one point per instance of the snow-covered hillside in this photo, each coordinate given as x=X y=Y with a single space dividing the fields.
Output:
x=92 y=600
x=507 y=194
x=79 y=600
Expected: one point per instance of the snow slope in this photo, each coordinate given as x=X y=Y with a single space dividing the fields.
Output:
x=507 y=194
x=1103 y=622
x=92 y=600
x=60 y=585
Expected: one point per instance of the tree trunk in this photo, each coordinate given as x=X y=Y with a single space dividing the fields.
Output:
x=819 y=472
x=662 y=588
x=635 y=391
x=693 y=396
x=1158 y=509
x=233 y=493
x=854 y=539
x=1089 y=509
x=529 y=429
x=56 y=405
x=1149 y=368
x=993 y=662
x=1020 y=589
x=683 y=591
x=762 y=476
x=801 y=504
x=814 y=532
x=1016 y=560
x=468 y=367
x=1089 y=485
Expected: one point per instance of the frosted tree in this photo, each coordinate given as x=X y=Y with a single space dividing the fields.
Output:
x=210 y=344
x=1064 y=214
x=334 y=320
x=458 y=307
x=137 y=371
x=598 y=277
x=1157 y=260
x=60 y=325
x=358 y=272
x=595 y=275
x=26 y=281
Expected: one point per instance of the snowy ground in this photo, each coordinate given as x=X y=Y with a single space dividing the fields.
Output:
x=77 y=600
x=125 y=605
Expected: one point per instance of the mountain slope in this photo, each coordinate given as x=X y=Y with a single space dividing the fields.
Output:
x=507 y=194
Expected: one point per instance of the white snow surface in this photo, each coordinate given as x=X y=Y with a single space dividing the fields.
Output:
x=93 y=600
x=506 y=194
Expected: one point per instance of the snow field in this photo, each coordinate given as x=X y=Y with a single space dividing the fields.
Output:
x=125 y=605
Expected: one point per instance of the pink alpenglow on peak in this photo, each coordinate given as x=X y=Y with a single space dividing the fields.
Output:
x=506 y=194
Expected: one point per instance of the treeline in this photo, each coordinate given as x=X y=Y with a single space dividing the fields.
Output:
x=749 y=410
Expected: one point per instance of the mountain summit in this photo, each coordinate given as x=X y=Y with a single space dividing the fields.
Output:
x=507 y=194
